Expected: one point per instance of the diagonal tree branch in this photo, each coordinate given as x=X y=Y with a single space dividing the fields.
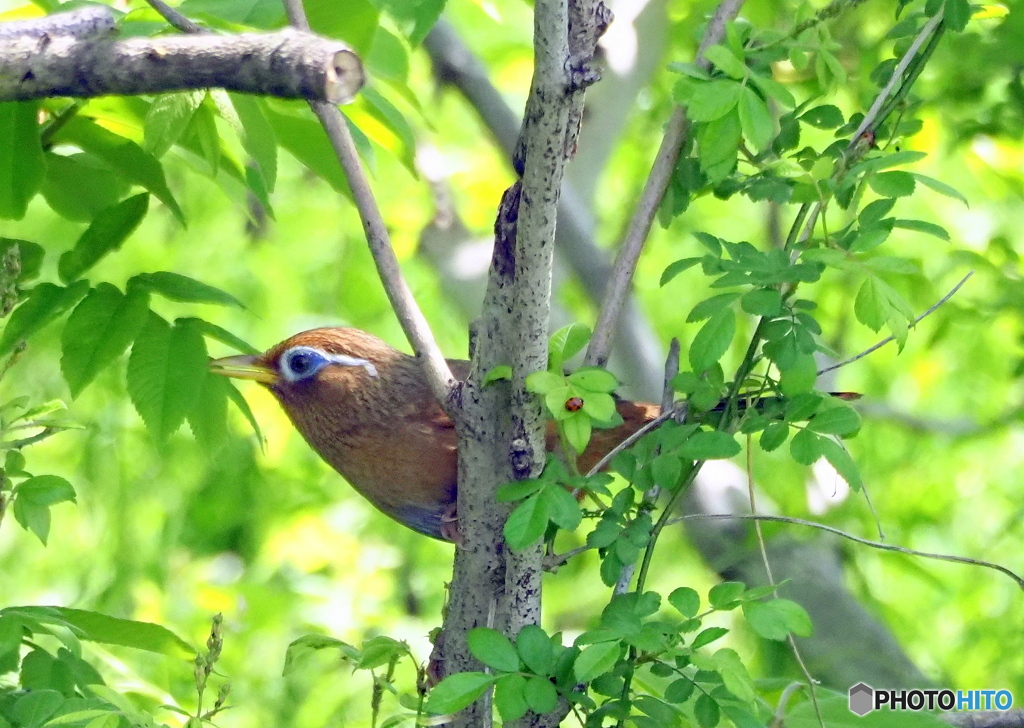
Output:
x=439 y=375
x=650 y=199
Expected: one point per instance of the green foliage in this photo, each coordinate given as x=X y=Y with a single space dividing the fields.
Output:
x=178 y=532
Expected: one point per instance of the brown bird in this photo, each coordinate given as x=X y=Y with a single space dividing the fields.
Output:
x=367 y=410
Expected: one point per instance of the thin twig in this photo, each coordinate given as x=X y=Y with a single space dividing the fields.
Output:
x=897 y=74
x=175 y=18
x=811 y=682
x=780 y=709
x=650 y=199
x=414 y=324
x=653 y=424
x=855 y=539
x=887 y=339
x=857 y=146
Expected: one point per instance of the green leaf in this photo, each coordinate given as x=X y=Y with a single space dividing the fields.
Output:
x=541 y=695
x=799 y=375
x=499 y=373
x=762 y=302
x=776 y=619
x=714 y=445
x=707 y=636
x=941 y=187
x=257 y=136
x=108 y=231
x=774 y=435
x=33 y=517
x=599 y=406
x=892 y=184
x=885 y=161
x=403 y=141
x=22 y=165
x=596 y=660
x=957 y=15
x=77 y=186
x=726 y=61
x=518 y=489
x=929 y=228
x=840 y=420
x=771 y=87
x=128 y=158
x=208 y=418
x=726 y=594
x=710 y=306
x=239 y=401
x=102 y=628
x=33 y=708
x=685 y=600
x=755 y=119
x=542 y=382
x=840 y=459
x=718 y=146
x=415 y=19
x=706 y=711
x=166 y=371
x=177 y=287
x=680 y=690
x=713 y=340
x=306 y=140
x=46 y=490
x=535 y=649
x=806 y=447
x=594 y=379
x=892 y=264
x=493 y=649
x=566 y=343
x=217 y=333
x=509 y=698
x=355 y=24
x=577 y=428
x=457 y=691
x=168 y=117
x=713 y=100
x=527 y=523
x=44 y=304
x=871 y=305
x=823 y=117
x=666 y=469
x=563 y=510
x=875 y=211
x=676 y=268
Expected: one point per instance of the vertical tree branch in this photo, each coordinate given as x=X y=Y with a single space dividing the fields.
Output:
x=501 y=427
x=414 y=324
x=653 y=192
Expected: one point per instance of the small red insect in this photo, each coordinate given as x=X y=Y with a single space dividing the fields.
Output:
x=574 y=404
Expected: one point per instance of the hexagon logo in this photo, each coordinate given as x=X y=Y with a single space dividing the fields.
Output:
x=861 y=699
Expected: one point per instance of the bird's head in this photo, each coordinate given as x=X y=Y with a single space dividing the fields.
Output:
x=327 y=364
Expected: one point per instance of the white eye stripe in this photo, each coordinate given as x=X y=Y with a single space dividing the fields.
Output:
x=351 y=361
x=318 y=359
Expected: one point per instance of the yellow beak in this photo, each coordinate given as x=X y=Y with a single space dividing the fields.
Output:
x=243 y=367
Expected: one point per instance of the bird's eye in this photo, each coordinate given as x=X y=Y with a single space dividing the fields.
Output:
x=301 y=363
